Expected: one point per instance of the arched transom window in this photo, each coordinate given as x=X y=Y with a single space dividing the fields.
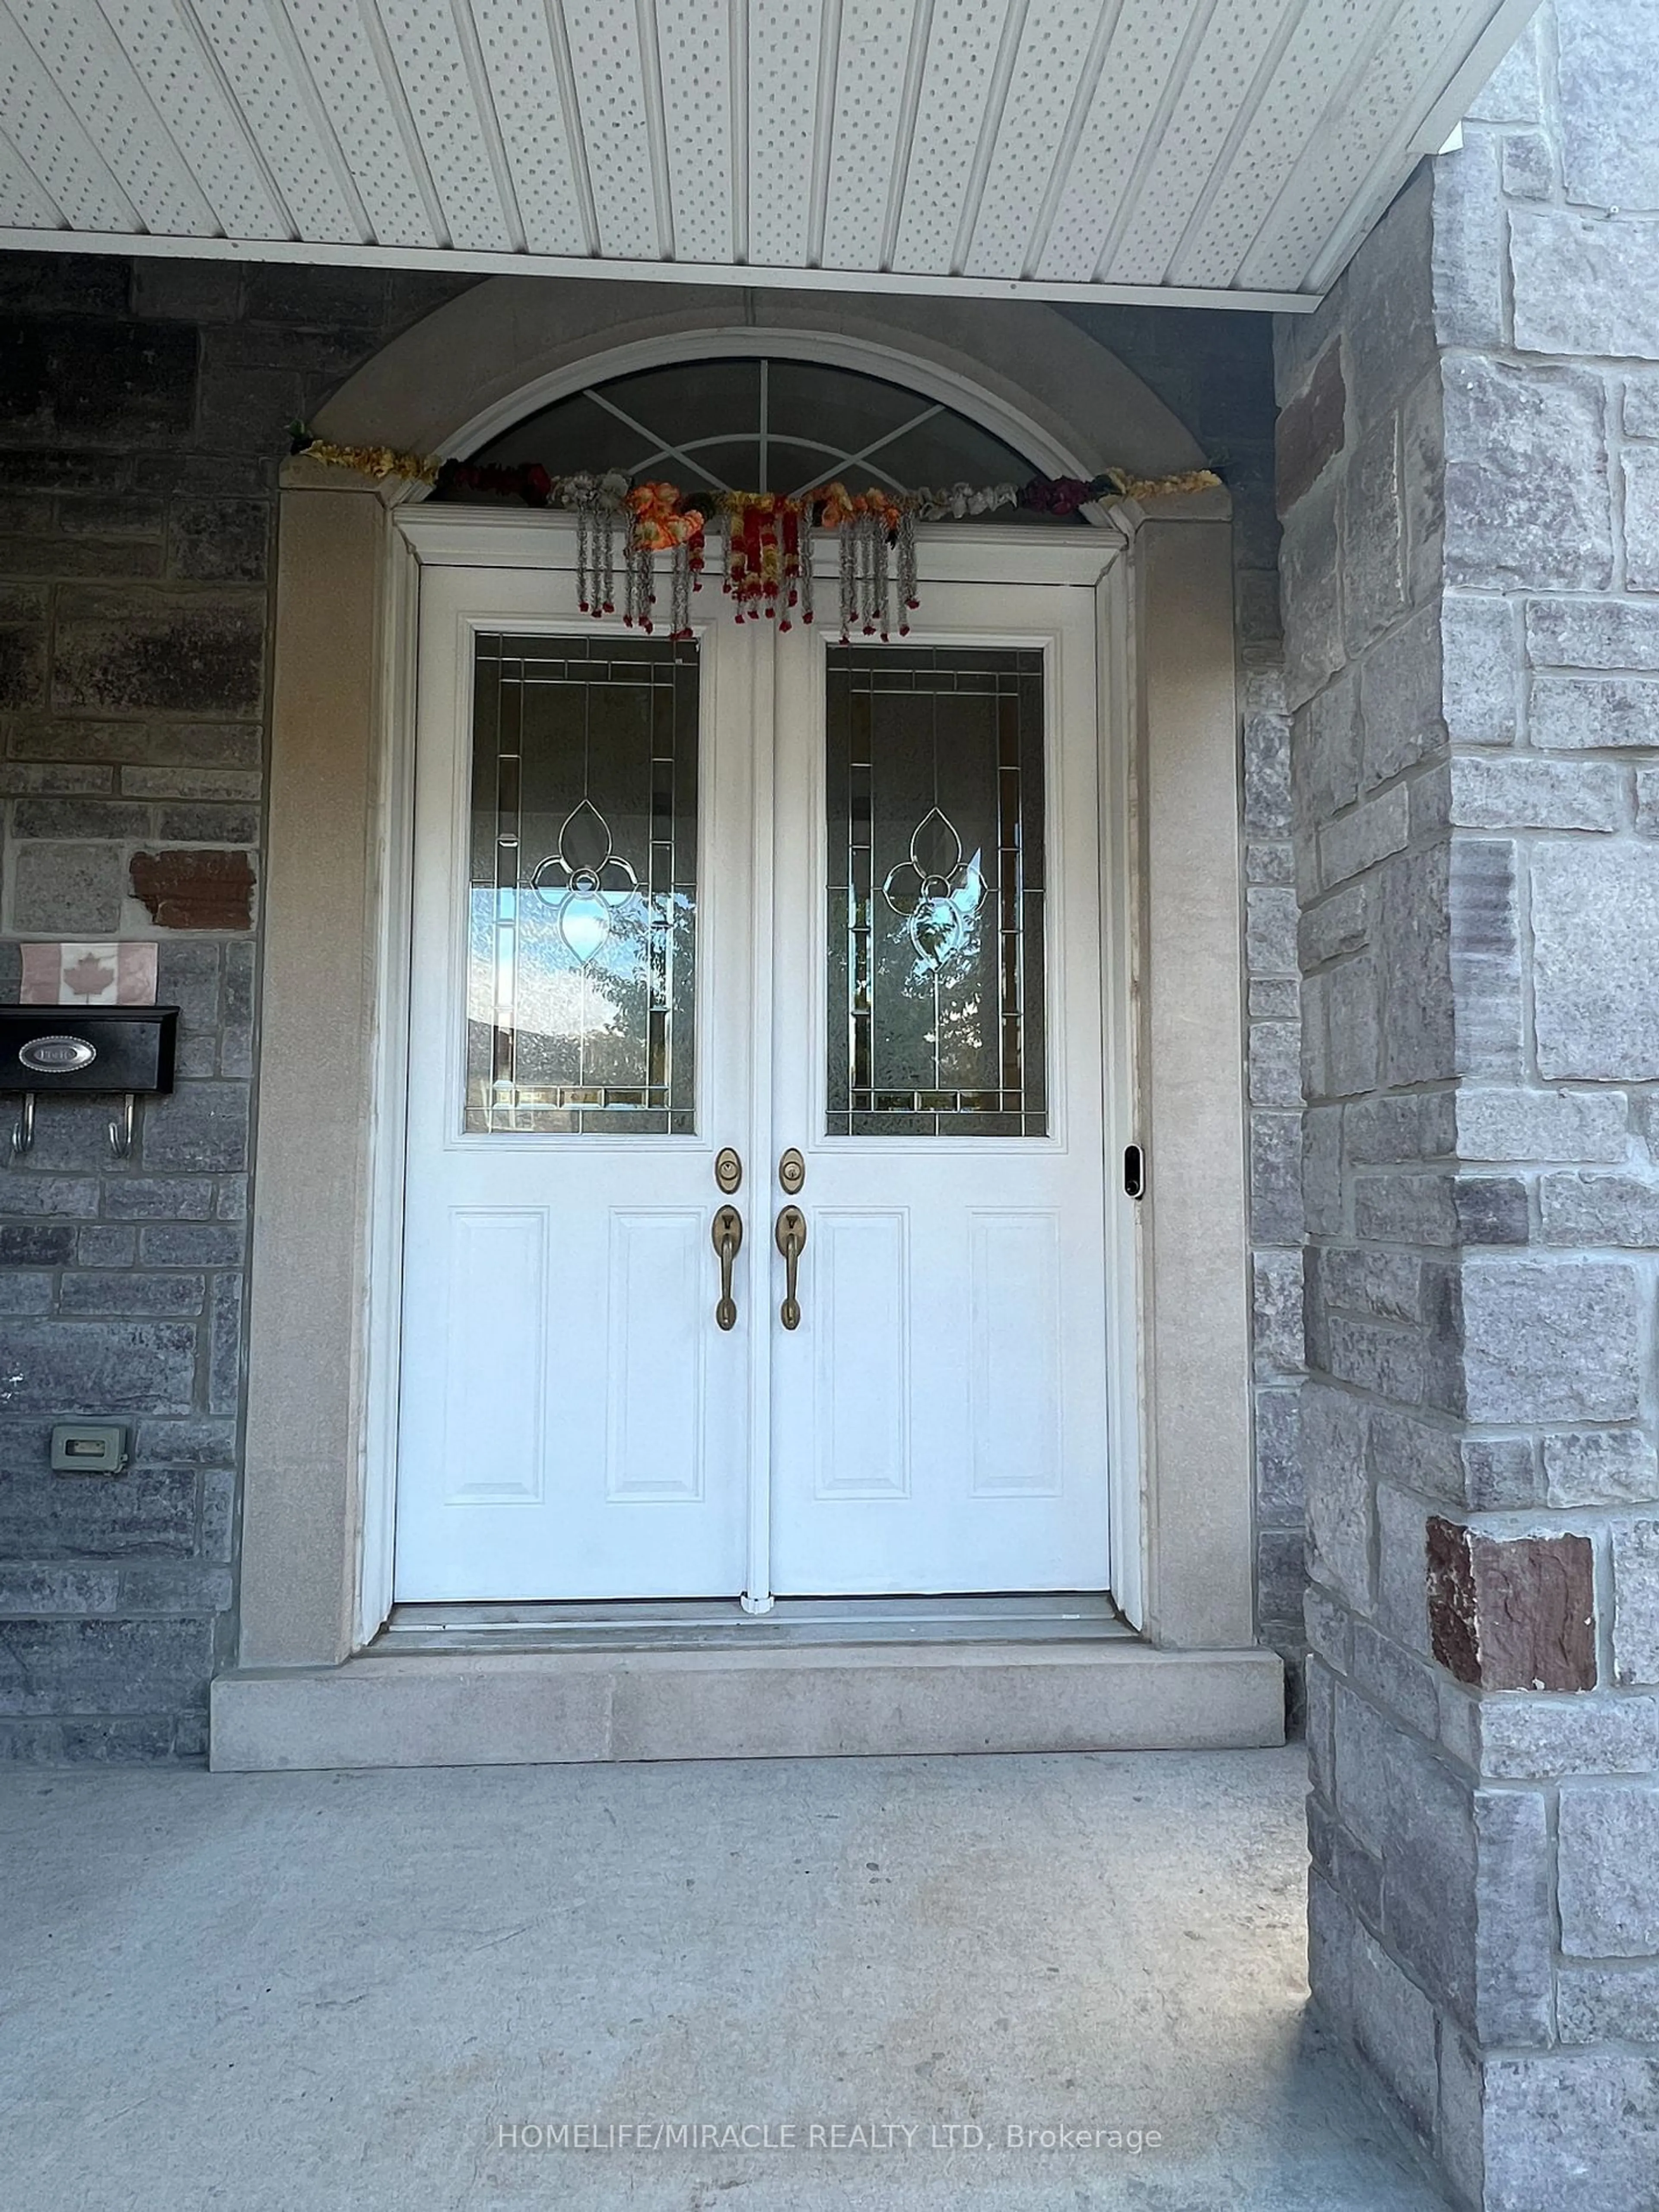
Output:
x=757 y=424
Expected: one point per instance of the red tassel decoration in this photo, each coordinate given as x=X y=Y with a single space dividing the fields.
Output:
x=790 y=578
x=751 y=548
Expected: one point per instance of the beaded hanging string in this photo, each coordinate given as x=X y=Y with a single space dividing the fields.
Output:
x=850 y=543
x=804 y=565
x=639 y=587
x=907 y=570
x=601 y=580
x=584 y=492
x=584 y=560
x=595 y=503
x=601 y=596
x=680 y=583
x=869 y=532
x=867 y=554
x=613 y=488
x=847 y=577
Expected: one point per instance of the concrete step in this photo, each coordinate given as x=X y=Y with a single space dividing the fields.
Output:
x=778 y=1700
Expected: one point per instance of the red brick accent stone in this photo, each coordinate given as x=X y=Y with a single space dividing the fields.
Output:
x=1511 y=1613
x=195 y=889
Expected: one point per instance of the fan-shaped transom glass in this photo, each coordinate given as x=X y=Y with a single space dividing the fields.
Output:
x=759 y=425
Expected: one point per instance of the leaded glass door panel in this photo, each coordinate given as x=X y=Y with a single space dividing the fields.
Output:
x=940 y=1413
x=934 y=956
x=582 y=908
x=575 y=1422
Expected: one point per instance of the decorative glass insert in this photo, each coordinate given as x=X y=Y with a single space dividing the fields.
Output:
x=583 y=888
x=937 y=1016
x=758 y=424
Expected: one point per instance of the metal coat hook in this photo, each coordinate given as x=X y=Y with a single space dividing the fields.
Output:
x=125 y=1053
x=121 y=1125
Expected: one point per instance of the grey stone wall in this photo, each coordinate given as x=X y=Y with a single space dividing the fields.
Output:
x=1473 y=645
x=142 y=410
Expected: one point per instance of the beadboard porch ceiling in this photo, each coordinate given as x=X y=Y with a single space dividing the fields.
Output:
x=1215 y=152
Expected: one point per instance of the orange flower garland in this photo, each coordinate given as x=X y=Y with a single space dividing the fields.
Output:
x=768 y=568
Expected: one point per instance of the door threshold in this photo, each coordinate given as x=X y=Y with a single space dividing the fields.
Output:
x=706 y=1624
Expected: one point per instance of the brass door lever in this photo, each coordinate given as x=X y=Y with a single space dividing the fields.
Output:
x=727 y=1237
x=792 y=1243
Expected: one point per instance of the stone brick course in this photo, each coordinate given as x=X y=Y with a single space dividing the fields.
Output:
x=1635 y=1546
x=142 y=410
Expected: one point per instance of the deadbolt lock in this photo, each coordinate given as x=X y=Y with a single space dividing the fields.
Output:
x=791 y=1171
x=728 y=1169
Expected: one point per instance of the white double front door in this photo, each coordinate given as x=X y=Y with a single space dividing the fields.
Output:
x=706 y=931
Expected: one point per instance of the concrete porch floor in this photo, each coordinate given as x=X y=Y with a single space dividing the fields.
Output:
x=311 y=1992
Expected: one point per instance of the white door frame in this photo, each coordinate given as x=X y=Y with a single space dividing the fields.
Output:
x=455 y=537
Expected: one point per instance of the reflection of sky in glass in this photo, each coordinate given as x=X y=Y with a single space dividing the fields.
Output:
x=530 y=980
x=524 y=975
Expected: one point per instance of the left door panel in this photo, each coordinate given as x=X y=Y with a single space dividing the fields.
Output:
x=573 y=1424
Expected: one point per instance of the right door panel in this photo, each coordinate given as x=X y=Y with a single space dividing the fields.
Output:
x=939 y=1415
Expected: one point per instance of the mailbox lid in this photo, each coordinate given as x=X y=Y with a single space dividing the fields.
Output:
x=131 y=1048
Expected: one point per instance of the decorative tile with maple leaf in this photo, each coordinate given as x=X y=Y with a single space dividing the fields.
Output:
x=88 y=975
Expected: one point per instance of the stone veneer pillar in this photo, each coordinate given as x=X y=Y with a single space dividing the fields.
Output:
x=1470 y=477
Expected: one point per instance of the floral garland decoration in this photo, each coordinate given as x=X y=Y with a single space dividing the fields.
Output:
x=768 y=570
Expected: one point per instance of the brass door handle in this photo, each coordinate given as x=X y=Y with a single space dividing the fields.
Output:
x=727 y=1237
x=792 y=1243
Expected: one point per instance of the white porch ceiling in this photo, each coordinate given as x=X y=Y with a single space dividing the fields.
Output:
x=1226 y=152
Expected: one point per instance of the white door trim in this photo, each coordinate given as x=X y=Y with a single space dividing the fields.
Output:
x=1125 y=1090
x=451 y=537
x=391 y=876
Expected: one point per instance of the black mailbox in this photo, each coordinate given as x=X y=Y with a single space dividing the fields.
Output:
x=88 y=1048
x=124 y=1049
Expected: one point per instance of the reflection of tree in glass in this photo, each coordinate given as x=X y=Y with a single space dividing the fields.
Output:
x=956 y=1037
x=937 y=893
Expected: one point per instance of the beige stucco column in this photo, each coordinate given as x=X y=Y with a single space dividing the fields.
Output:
x=1195 y=1307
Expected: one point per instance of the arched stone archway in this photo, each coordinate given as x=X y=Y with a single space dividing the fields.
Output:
x=508 y=347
